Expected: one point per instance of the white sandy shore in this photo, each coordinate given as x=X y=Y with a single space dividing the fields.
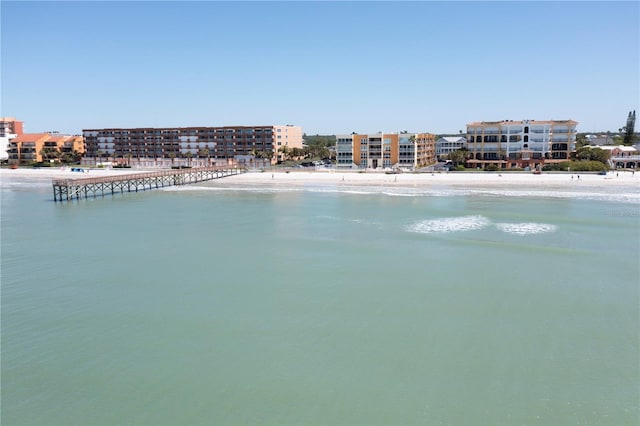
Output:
x=466 y=179
x=62 y=173
x=624 y=180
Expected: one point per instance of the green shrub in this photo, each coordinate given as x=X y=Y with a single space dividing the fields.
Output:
x=577 y=166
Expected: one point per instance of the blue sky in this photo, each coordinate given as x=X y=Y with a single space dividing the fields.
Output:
x=330 y=67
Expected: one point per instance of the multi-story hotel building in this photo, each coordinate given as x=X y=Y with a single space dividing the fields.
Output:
x=9 y=129
x=226 y=142
x=526 y=143
x=29 y=147
x=385 y=150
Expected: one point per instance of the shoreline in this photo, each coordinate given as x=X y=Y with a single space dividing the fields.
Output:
x=619 y=179
x=451 y=178
x=615 y=186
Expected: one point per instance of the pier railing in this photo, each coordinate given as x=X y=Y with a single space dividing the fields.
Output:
x=76 y=188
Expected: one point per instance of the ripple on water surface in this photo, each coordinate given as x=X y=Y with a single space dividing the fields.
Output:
x=526 y=228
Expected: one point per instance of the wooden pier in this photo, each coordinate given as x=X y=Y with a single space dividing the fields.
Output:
x=70 y=189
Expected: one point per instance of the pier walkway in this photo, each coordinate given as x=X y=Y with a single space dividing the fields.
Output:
x=69 y=189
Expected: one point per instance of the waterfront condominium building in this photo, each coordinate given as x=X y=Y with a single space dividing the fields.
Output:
x=521 y=144
x=30 y=147
x=447 y=144
x=227 y=142
x=385 y=150
x=9 y=129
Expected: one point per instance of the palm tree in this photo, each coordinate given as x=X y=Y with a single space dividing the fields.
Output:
x=458 y=156
x=268 y=154
x=204 y=153
x=99 y=154
x=172 y=155
x=285 y=152
x=188 y=156
x=76 y=157
x=297 y=152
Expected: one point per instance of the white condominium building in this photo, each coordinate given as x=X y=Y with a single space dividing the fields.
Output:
x=447 y=144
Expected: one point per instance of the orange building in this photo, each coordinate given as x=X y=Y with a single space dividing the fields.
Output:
x=386 y=150
x=37 y=147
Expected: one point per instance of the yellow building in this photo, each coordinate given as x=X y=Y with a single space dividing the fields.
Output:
x=37 y=147
x=385 y=150
x=522 y=144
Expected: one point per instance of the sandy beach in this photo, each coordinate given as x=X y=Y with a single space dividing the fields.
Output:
x=466 y=179
x=49 y=173
x=622 y=181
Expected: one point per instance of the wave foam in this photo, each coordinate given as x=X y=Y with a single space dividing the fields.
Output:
x=450 y=224
x=526 y=228
x=616 y=195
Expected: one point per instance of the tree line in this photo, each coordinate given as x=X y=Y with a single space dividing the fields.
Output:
x=57 y=155
x=315 y=147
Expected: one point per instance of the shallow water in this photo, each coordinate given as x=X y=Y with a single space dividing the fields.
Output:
x=320 y=305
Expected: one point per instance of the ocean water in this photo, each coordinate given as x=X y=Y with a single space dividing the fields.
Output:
x=219 y=304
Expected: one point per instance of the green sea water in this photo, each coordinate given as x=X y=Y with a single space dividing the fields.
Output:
x=311 y=305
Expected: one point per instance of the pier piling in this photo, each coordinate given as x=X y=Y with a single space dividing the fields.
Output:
x=69 y=189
